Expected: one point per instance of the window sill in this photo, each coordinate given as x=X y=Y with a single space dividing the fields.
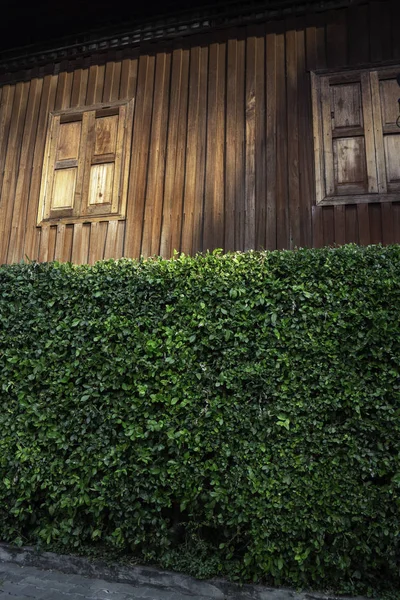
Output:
x=364 y=199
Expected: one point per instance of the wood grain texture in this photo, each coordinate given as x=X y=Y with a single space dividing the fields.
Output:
x=214 y=178
x=282 y=197
x=293 y=138
x=270 y=92
x=155 y=183
x=12 y=165
x=194 y=163
x=24 y=173
x=223 y=150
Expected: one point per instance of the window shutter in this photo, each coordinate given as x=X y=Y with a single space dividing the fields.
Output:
x=86 y=164
x=348 y=137
x=64 y=167
x=386 y=93
x=104 y=165
x=356 y=138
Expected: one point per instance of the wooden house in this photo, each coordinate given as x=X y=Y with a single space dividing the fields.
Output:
x=240 y=125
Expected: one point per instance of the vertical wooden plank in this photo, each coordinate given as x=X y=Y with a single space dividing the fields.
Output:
x=46 y=105
x=139 y=163
x=112 y=81
x=193 y=154
x=155 y=185
x=336 y=38
x=328 y=219
x=318 y=227
x=250 y=188
x=395 y=23
x=316 y=58
x=293 y=132
x=51 y=243
x=175 y=159
x=108 y=80
x=271 y=229
x=92 y=81
x=177 y=208
x=119 y=250
x=363 y=224
x=214 y=184
x=84 y=258
x=64 y=88
x=321 y=41
x=15 y=250
x=260 y=162
x=11 y=166
x=94 y=243
x=375 y=223
x=80 y=243
x=388 y=235
x=94 y=92
x=68 y=242
x=396 y=222
x=340 y=225
x=77 y=243
x=128 y=79
x=127 y=90
x=58 y=252
x=240 y=144
x=79 y=87
x=380 y=30
x=281 y=147
x=110 y=249
x=306 y=155
x=44 y=243
x=201 y=132
x=7 y=100
x=231 y=143
x=351 y=224
x=358 y=27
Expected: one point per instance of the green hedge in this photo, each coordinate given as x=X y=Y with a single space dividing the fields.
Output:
x=235 y=414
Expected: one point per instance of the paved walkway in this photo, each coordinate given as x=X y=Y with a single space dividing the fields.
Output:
x=24 y=583
x=28 y=582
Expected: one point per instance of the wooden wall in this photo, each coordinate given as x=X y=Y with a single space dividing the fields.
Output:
x=222 y=149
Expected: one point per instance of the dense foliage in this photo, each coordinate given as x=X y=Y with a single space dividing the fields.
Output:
x=235 y=414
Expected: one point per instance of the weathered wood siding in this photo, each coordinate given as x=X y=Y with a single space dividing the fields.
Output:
x=222 y=149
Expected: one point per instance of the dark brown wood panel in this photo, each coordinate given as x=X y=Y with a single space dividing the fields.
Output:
x=222 y=146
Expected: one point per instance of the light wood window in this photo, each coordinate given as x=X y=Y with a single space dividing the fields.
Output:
x=356 y=138
x=86 y=164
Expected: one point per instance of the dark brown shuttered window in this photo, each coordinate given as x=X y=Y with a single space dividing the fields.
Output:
x=356 y=138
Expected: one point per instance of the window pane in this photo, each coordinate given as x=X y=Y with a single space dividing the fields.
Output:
x=101 y=183
x=346 y=105
x=392 y=155
x=64 y=188
x=349 y=159
x=389 y=101
x=69 y=140
x=106 y=135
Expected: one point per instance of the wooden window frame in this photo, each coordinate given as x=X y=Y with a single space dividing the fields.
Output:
x=369 y=78
x=80 y=211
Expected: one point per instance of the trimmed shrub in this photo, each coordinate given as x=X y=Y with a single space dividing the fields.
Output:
x=235 y=414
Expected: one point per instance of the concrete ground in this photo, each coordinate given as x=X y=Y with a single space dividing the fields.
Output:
x=30 y=583
x=28 y=575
